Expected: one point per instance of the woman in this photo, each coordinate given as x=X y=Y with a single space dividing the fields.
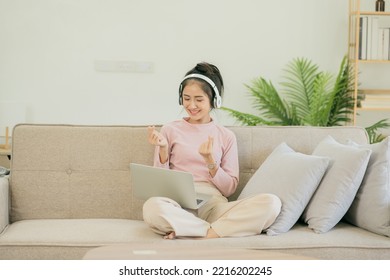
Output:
x=198 y=145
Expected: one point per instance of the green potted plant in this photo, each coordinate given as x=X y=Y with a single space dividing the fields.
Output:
x=308 y=96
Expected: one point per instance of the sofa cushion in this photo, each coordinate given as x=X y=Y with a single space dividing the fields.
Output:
x=75 y=232
x=72 y=238
x=293 y=177
x=371 y=208
x=339 y=186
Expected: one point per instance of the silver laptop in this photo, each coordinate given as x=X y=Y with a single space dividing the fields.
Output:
x=148 y=181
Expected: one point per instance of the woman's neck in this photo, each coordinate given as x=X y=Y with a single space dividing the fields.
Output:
x=201 y=121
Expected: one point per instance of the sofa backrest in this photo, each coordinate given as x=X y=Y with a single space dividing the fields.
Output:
x=74 y=171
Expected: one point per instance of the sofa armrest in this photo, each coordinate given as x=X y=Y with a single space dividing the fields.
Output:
x=4 y=203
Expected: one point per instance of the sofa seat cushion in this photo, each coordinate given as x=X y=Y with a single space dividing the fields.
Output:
x=343 y=242
x=41 y=239
x=75 y=232
x=98 y=232
x=300 y=236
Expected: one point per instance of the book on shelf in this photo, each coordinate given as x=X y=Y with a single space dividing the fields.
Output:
x=363 y=38
x=387 y=43
x=381 y=43
x=384 y=44
x=374 y=42
x=372 y=38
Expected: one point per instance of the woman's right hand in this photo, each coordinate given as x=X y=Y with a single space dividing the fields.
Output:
x=156 y=138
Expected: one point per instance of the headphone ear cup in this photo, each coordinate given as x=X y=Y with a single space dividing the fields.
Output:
x=180 y=95
x=217 y=102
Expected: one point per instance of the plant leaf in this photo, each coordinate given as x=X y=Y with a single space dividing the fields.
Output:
x=246 y=119
x=268 y=102
x=299 y=84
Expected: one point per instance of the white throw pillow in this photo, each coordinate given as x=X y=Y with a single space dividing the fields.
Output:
x=339 y=186
x=291 y=176
x=371 y=208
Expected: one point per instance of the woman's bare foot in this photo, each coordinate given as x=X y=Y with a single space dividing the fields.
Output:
x=171 y=235
x=211 y=234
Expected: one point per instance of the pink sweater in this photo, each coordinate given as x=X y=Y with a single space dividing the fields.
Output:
x=184 y=140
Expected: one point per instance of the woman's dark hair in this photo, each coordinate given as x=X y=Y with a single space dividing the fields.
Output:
x=211 y=71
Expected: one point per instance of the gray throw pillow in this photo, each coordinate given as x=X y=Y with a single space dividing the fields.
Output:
x=291 y=176
x=339 y=186
x=371 y=208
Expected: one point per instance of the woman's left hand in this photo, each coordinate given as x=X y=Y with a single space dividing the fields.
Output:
x=206 y=149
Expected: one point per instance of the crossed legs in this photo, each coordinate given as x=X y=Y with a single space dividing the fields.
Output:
x=218 y=218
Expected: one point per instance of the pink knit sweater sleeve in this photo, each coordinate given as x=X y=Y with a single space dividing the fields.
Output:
x=226 y=178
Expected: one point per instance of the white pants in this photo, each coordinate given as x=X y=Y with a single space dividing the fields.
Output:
x=249 y=216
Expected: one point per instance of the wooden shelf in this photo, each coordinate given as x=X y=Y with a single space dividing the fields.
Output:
x=373 y=91
x=368 y=13
x=353 y=54
x=373 y=61
x=373 y=109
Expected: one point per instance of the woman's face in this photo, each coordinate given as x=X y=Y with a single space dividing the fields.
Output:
x=196 y=103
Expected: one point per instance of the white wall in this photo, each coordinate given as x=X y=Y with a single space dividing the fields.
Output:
x=48 y=49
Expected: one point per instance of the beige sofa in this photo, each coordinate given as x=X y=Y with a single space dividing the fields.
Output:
x=69 y=191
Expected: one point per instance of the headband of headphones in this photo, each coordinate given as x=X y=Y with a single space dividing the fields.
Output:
x=217 y=97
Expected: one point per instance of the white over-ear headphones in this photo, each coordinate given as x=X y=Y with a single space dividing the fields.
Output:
x=217 y=96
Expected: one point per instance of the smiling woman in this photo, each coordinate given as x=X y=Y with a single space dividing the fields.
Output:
x=198 y=145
